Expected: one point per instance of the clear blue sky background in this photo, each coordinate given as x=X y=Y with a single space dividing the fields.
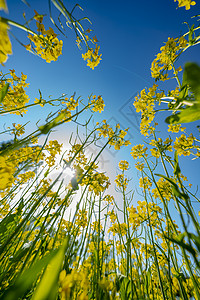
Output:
x=130 y=34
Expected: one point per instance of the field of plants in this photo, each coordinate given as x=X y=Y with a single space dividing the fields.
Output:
x=74 y=241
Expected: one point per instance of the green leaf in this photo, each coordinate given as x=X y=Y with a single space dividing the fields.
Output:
x=48 y=284
x=177 y=169
x=183 y=91
x=189 y=114
x=191 y=79
x=3 y=92
x=179 y=240
x=5 y=222
x=191 y=76
x=196 y=240
x=168 y=179
x=55 y=122
x=26 y=280
x=190 y=36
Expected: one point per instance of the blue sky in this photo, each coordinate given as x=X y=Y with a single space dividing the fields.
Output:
x=130 y=34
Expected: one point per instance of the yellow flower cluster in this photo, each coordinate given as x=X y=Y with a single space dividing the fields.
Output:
x=96 y=226
x=104 y=248
x=184 y=145
x=145 y=183
x=16 y=97
x=26 y=156
x=5 y=44
x=53 y=148
x=112 y=215
x=3 y=5
x=121 y=181
x=163 y=190
x=97 y=103
x=140 y=214
x=139 y=166
x=25 y=177
x=47 y=45
x=92 y=57
x=175 y=128
x=77 y=153
x=144 y=103
x=119 y=228
x=97 y=182
x=160 y=146
x=164 y=60
x=133 y=217
x=123 y=165
x=73 y=285
x=186 y=3
x=71 y=103
x=116 y=138
x=6 y=173
x=17 y=130
x=81 y=218
x=138 y=151
x=109 y=199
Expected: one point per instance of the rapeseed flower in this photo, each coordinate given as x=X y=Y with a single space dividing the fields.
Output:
x=186 y=3
x=98 y=104
x=123 y=165
x=5 y=44
x=164 y=60
x=138 y=151
x=184 y=145
x=47 y=45
x=92 y=57
x=16 y=97
x=6 y=173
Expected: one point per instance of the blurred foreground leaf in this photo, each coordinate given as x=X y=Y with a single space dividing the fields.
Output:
x=47 y=287
x=25 y=281
x=187 y=115
x=191 y=77
x=3 y=92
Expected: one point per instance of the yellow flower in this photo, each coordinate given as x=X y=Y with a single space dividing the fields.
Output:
x=71 y=103
x=3 y=5
x=47 y=45
x=16 y=97
x=120 y=229
x=109 y=199
x=121 y=181
x=186 y=3
x=98 y=104
x=92 y=57
x=163 y=190
x=112 y=216
x=184 y=145
x=6 y=173
x=155 y=152
x=138 y=151
x=144 y=103
x=5 y=44
x=18 y=129
x=117 y=138
x=139 y=166
x=123 y=165
x=81 y=218
x=165 y=59
x=174 y=128
x=145 y=183
x=97 y=182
